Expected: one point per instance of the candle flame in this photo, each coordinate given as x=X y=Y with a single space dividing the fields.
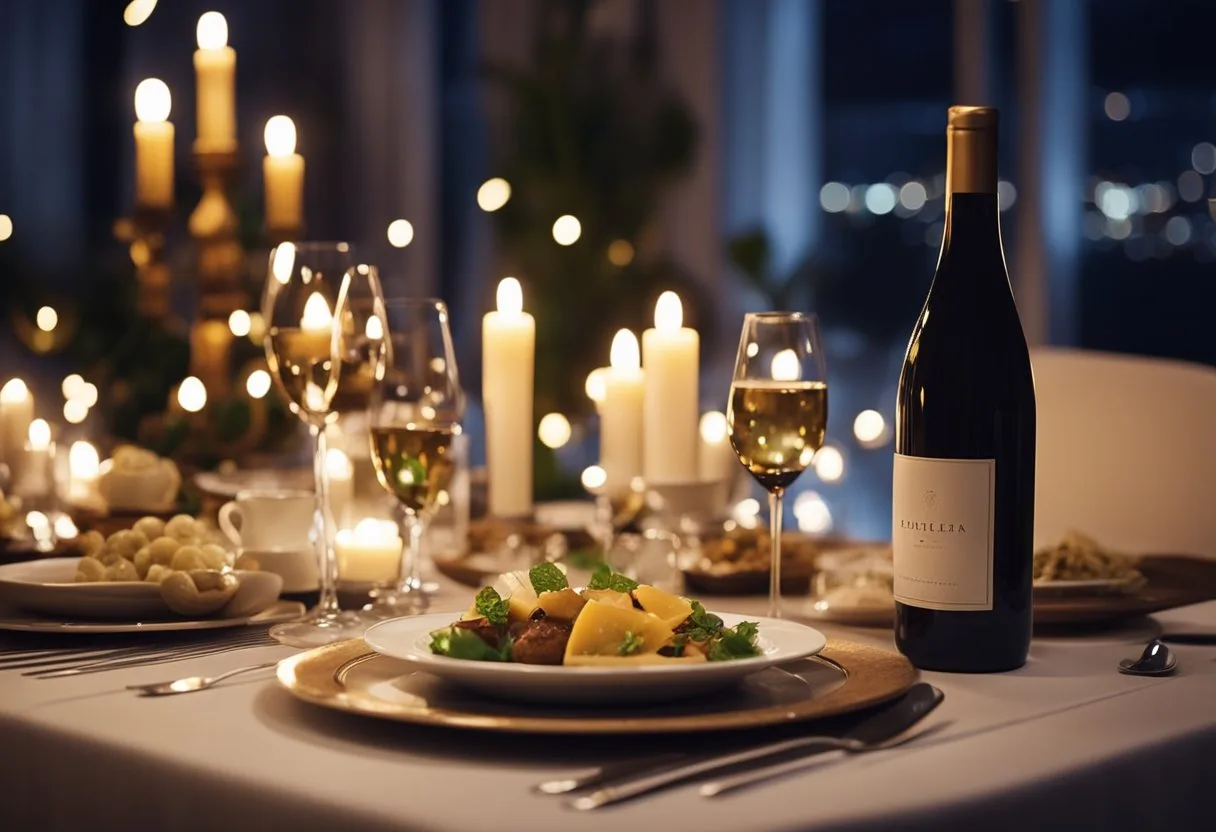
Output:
x=14 y=391
x=83 y=460
x=510 y=296
x=713 y=427
x=625 y=354
x=138 y=11
x=40 y=435
x=283 y=261
x=280 y=136
x=152 y=100
x=668 y=313
x=192 y=394
x=316 y=313
x=369 y=530
x=212 y=31
x=786 y=366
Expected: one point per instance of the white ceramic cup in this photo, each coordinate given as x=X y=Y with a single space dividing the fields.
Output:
x=269 y=520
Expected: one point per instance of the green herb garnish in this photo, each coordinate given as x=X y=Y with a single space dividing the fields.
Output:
x=459 y=643
x=701 y=626
x=546 y=577
x=630 y=645
x=736 y=643
x=604 y=578
x=492 y=606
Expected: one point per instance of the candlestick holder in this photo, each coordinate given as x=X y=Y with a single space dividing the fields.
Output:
x=144 y=234
x=221 y=266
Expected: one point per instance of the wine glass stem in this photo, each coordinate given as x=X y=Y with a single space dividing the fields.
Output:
x=774 y=585
x=327 y=564
x=412 y=528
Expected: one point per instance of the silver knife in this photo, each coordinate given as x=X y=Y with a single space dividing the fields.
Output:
x=878 y=731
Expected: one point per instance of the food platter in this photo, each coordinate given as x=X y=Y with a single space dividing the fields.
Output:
x=351 y=677
x=46 y=588
x=408 y=639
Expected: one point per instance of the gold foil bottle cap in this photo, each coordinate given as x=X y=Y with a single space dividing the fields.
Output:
x=973 y=118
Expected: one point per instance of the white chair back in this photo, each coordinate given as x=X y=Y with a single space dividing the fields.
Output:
x=1126 y=451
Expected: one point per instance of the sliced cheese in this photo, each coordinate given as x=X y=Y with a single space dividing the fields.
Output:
x=564 y=604
x=520 y=607
x=601 y=629
x=471 y=613
x=673 y=609
x=611 y=597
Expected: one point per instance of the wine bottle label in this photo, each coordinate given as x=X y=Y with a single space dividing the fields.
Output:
x=942 y=532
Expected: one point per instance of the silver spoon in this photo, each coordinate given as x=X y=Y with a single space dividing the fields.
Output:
x=1156 y=660
x=192 y=683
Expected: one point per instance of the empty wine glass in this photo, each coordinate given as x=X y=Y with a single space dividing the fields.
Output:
x=778 y=411
x=302 y=350
x=416 y=409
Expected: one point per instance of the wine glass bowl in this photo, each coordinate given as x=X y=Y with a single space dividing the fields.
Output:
x=778 y=410
x=305 y=289
x=415 y=411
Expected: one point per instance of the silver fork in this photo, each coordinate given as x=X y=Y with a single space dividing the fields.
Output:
x=190 y=684
x=171 y=655
x=78 y=656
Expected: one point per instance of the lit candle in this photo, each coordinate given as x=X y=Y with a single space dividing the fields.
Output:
x=283 y=176
x=313 y=342
x=369 y=553
x=210 y=343
x=717 y=459
x=670 y=356
x=16 y=413
x=84 y=465
x=36 y=471
x=507 y=369
x=215 y=75
x=153 y=145
x=341 y=483
x=621 y=413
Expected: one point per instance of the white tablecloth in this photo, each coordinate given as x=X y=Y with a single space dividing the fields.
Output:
x=1064 y=743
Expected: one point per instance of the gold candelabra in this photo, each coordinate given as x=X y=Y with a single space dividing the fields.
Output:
x=144 y=234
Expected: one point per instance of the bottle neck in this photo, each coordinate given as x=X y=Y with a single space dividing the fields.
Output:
x=972 y=213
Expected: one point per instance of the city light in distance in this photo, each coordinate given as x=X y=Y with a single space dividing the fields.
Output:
x=829 y=464
x=1117 y=106
x=239 y=323
x=6 y=227
x=258 y=384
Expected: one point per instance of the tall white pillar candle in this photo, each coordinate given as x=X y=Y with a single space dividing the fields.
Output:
x=16 y=414
x=215 y=77
x=671 y=362
x=621 y=414
x=153 y=145
x=718 y=462
x=508 y=350
x=283 y=176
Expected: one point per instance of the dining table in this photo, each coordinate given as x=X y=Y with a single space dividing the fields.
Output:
x=1065 y=742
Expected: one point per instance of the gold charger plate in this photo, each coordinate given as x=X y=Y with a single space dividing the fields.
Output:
x=845 y=677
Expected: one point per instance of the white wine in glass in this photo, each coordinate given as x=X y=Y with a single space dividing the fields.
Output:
x=778 y=411
x=304 y=344
x=415 y=415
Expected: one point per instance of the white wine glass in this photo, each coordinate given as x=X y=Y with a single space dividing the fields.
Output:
x=302 y=344
x=778 y=411
x=415 y=414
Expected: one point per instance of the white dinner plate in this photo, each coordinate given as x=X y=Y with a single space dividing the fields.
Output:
x=410 y=638
x=47 y=587
x=276 y=613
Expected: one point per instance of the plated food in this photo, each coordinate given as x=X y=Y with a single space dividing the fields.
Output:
x=1079 y=560
x=535 y=617
x=736 y=562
